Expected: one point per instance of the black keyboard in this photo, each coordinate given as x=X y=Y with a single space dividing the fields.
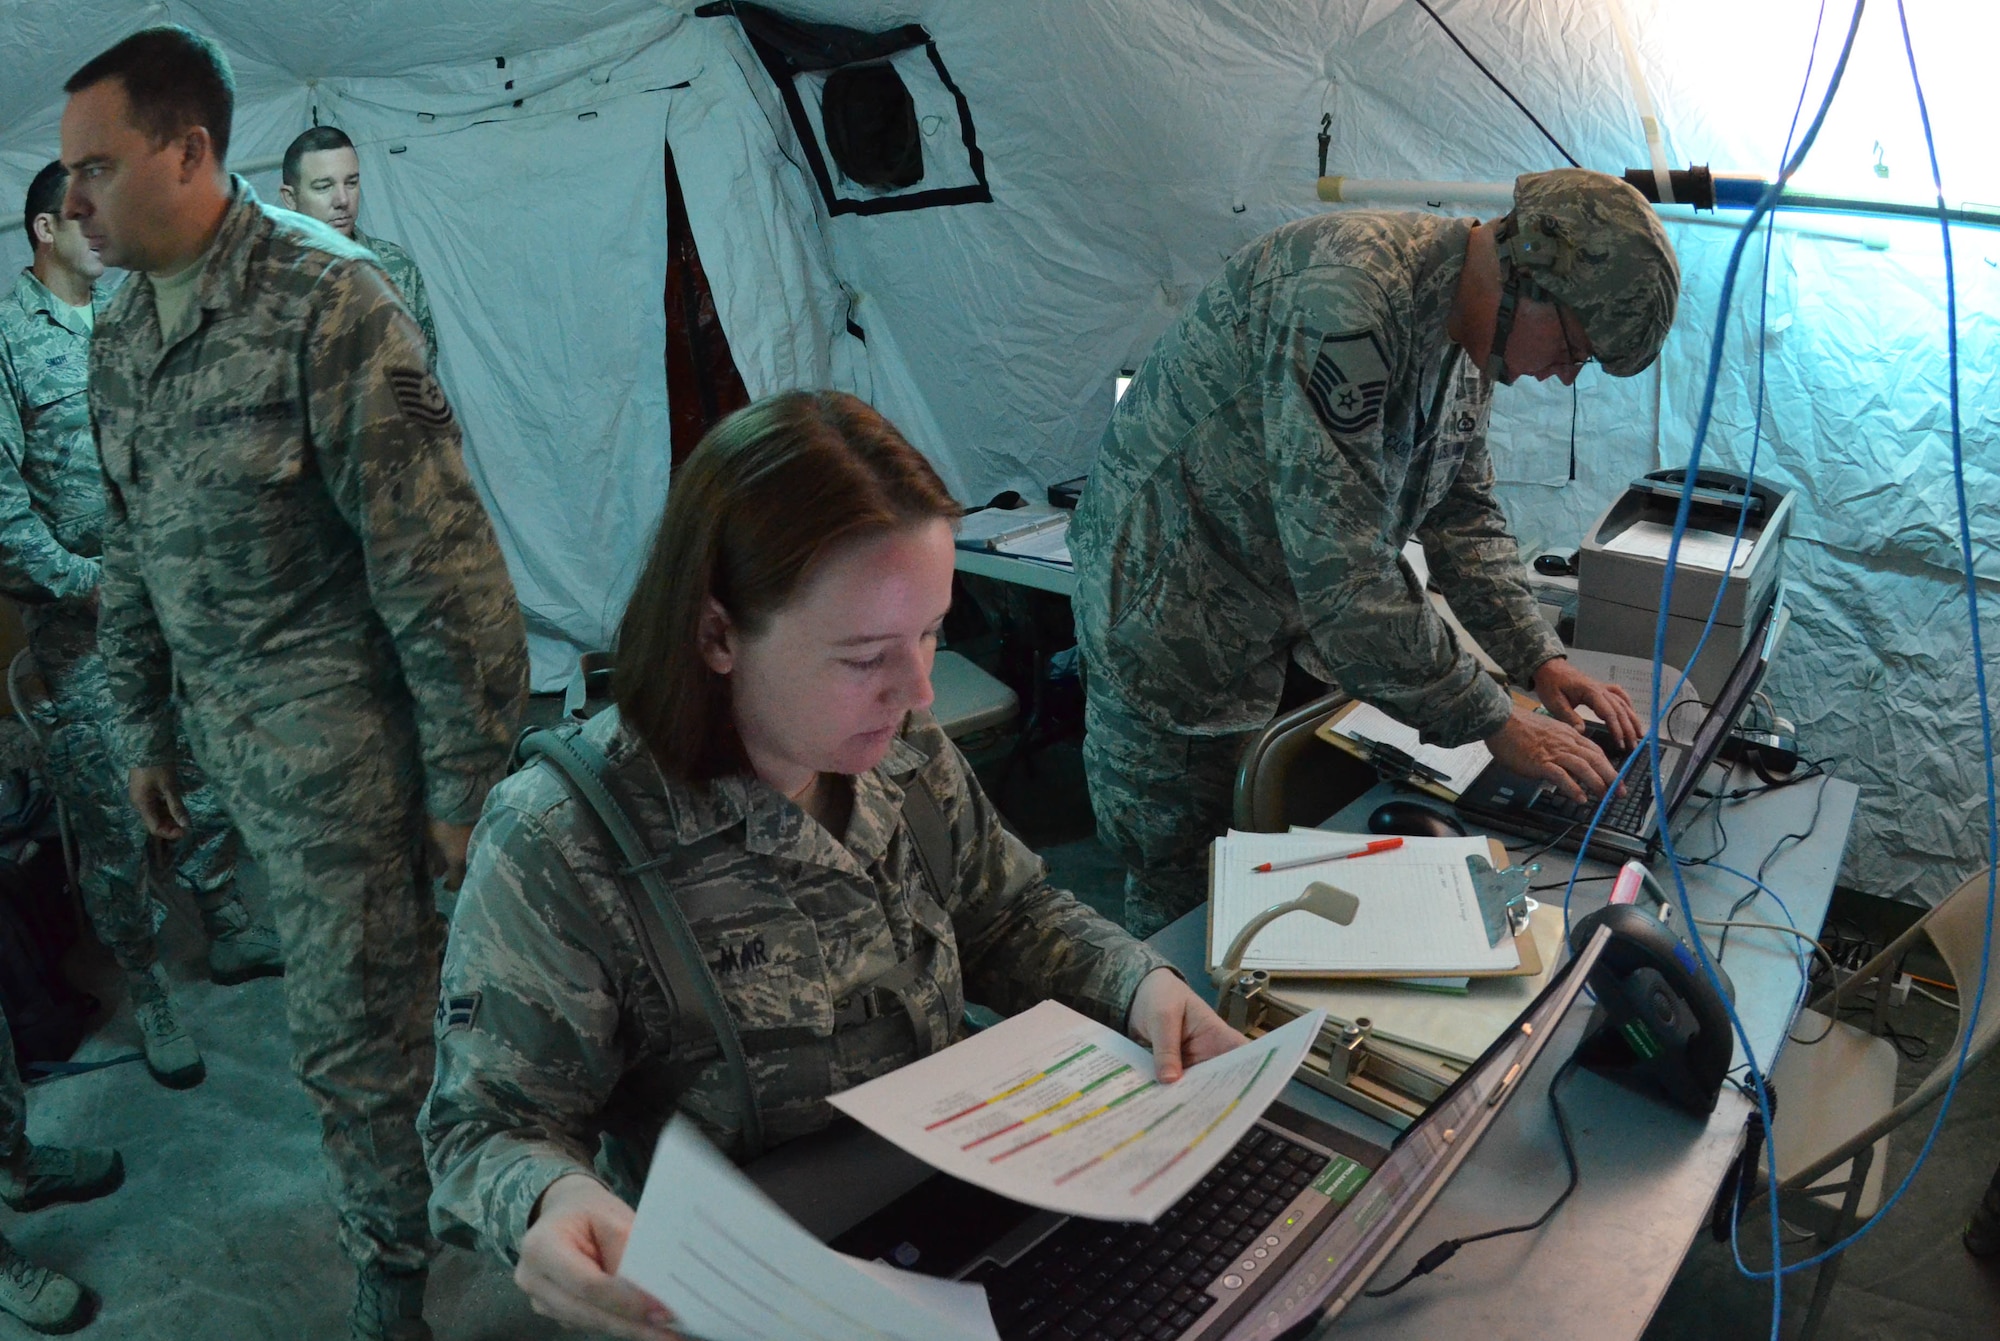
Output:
x=1624 y=814
x=1092 y=1281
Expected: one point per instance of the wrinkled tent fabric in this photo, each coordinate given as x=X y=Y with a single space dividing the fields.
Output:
x=1130 y=146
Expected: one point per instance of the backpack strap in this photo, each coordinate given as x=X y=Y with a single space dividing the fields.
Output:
x=931 y=837
x=658 y=917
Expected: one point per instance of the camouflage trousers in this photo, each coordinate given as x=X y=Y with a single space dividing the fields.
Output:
x=328 y=793
x=112 y=846
x=1159 y=797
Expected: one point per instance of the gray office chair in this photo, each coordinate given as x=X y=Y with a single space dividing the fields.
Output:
x=29 y=694
x=1289 y=776
x=1836 y=1084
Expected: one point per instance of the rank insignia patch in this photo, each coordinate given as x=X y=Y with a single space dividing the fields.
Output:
x=420 y=397
x=1348 y=380
x=457 y=1012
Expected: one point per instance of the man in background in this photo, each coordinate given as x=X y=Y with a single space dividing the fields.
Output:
x=51 y=524
x=322 y=180
x=1321 y=402
x=294 y=551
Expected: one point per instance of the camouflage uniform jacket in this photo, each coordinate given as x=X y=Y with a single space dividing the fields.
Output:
x=289 y=508
x=409 y=282
x=51 y=490
x=1305 y=417
x=552 y=1029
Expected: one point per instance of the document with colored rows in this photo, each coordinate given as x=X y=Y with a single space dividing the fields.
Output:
x=1055 y=1110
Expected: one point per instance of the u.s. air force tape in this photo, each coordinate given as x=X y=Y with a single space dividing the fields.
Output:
x=421 y=398
x=1349 y=377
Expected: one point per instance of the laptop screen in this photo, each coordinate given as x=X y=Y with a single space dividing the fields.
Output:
x=1375 y=1222
x=1743 y=680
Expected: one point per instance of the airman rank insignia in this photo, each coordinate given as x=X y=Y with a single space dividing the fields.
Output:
x=1349 y=378
x=455 y=1013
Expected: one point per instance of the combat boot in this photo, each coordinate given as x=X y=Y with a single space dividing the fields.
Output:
x=46 y=1300
x=389 y=1305
x=238 y=948
x=170 y=1054
x=42 y=1175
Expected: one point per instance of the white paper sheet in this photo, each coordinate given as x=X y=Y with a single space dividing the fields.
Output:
x=1055 y=1110
x=1460 y=766
x=733 y=1267
x=1699 y=549
x=1419 y=912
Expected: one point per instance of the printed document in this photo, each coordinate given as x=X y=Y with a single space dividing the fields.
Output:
x=733 y=1267
x=1055 y=1110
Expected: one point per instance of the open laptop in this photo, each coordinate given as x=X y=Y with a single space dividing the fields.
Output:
x=1283 y=1231
x=1503 y=800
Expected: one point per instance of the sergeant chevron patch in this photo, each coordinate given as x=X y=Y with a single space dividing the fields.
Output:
x=1348 y=380
x=420 y=397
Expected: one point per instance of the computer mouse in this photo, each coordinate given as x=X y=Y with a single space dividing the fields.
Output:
x=1414 y=820
x=1007 y=500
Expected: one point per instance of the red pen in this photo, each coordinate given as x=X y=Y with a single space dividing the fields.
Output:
x=1377 y=845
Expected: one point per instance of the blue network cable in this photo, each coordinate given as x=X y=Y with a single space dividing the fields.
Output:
x=1779 y=1268
x=1742 y=513
x=1765 y=204
x=1985 y=710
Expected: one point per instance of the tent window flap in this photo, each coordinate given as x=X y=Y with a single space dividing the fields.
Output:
x=883 y=126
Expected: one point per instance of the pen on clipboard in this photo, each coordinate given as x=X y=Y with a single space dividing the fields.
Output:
x=1378 y=845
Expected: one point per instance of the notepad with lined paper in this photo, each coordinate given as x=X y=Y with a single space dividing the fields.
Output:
x=1419 y=915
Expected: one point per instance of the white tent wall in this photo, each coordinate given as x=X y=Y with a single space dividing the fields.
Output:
x=1131 y=145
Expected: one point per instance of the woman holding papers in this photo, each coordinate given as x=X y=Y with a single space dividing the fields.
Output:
x=770 y=741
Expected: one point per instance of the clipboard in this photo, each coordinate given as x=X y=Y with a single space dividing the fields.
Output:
x=1396 y=1074
x=1527 y=952
x=1392 y=764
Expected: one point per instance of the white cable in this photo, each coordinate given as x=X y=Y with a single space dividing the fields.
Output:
x=1922 y=990
x=1778 y=927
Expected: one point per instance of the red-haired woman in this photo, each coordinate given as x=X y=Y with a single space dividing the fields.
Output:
x=770 y=740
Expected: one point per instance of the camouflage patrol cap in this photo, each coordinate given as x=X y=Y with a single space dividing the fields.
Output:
x=1592 y=243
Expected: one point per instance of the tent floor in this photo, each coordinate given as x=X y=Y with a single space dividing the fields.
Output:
x=223 y=1230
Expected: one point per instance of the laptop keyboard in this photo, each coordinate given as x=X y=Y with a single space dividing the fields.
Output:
x=1093 y=1281
x=1624 y=814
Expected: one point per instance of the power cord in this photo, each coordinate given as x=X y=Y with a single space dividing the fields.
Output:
x=1445 y=1251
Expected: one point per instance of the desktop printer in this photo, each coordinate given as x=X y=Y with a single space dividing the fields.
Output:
x=1624 y=557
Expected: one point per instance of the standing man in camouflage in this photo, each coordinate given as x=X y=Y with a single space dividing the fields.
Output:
x=1321 y=402
x=322 y=180
x=51 y=517
x=294 y=551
